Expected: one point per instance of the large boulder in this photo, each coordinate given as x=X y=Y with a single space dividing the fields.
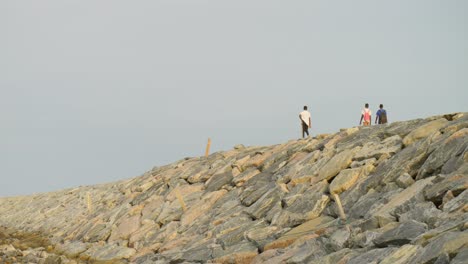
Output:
x=424 y=131
x=339 y=162
x=386 y=213
x=401 y=235
x=450 y=148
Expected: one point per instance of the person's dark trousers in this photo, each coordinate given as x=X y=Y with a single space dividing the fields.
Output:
x=305 y=129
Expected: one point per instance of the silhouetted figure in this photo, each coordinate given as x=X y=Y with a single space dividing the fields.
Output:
x=304 y=116
x=381 y=116
x=366 y=115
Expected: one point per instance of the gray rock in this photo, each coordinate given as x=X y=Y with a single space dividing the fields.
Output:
x=456 y=183
x=219 y=180
x=338 y=239
x=425 y=212
x=447 y=243
x=404 y=181
x=443 y=259
x=371 y=256
x=261 y=207
x=401 y=235
x=424 y=131
x=461 y=257
x=372 y=149
x=407 y=160
x=308 y=251
x=339 y=162
x=457 y=203
x=452 y=147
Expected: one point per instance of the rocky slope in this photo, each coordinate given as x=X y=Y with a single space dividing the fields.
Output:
x=402 y=188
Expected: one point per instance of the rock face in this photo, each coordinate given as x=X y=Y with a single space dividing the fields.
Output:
x=402 y=188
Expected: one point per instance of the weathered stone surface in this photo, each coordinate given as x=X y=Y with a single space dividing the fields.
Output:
x=308 y=227
x=261 y=207
x=126 y=227
x=344 y=180
x=461 y=257
x=108 y=252
x=407 y=160
x=339 y=162
x=451 y=147
x=243 y=253
x=388 y=146
x=455 y=183
x=403 y=255
x=310 y=250
x=404 y=180
x=371 y=256
x=338 y=239
x=425 y=212
x=401 y=235
x=72 y=249
x=385 y=213
x=424 y=131
x=460 y=202
x=246 y=175
x=201 y=207
x=336 y=257
x=218 y=181
x=448 y=243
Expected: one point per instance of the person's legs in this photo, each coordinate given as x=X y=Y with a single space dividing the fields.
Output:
x=305 y=129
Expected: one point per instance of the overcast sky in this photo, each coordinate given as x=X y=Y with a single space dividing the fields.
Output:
x=98 y=91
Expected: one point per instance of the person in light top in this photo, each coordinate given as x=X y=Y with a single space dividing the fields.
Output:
x=304 y=116
x=366 y=115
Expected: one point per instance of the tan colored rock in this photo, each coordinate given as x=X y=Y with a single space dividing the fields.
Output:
x=184 y=190
x=337 y=163
x=201 y=207
x=153 y=208
x=238 y=258
x=126 y=227
x=424 y=131
x=383 y=215
x=240 y=179
x=141 y=233
x=344 y=180
x=352 y=130
x=307 y=228
x=402 y=255
x=240 y=163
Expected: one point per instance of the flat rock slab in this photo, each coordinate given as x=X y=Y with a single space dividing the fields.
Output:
x=344 y=180
x=384 y=213
x=308 y=227
x=424 y=131
x=448 y=243
x=402 y=255
x=108 y=252
x=339 y=162
x=401 y=235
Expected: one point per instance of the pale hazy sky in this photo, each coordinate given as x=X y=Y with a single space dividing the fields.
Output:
x=98 y=91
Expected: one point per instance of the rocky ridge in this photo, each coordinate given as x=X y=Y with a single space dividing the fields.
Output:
x=402 y=187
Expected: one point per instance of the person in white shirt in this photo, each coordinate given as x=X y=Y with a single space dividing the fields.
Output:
x=304 y=116
x=366 y=114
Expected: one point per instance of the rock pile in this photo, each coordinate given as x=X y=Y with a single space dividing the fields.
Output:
x=402 y=187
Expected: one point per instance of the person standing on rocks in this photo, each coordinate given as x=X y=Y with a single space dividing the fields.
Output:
x=366 y=114
x=381 y=115
x=304 y=116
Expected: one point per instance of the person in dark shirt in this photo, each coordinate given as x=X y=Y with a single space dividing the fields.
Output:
x=381 y=116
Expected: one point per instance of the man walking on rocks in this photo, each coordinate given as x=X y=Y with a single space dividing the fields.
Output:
x=304 y=116
x=381 y=115
x=366 y=114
